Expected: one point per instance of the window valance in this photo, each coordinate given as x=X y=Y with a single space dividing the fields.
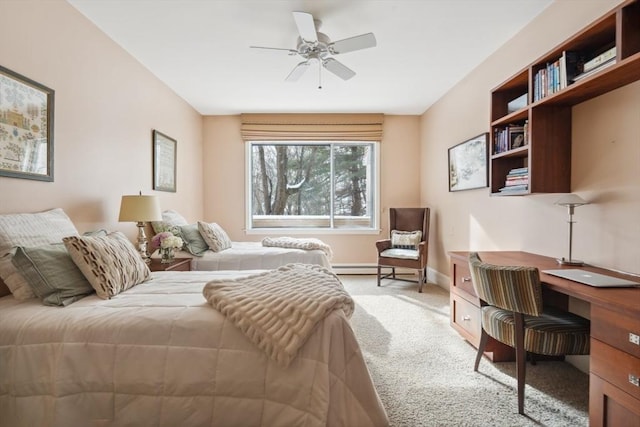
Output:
x=301 y=127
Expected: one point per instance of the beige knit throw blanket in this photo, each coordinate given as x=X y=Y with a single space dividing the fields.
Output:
x=298 y=243
x=278 y=309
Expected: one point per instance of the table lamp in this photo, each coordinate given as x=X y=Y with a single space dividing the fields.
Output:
x=140 y=209
x=570 y=201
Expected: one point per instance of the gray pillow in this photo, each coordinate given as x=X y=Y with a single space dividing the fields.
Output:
x=51 y=273
x=193 y=241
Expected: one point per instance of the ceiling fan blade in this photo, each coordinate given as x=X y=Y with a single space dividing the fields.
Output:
x=362 y=41
x=306 y=26
x=291 y=51
x=338 y=68
x=298 y=71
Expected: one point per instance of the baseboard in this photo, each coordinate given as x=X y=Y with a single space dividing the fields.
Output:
x=433 y=276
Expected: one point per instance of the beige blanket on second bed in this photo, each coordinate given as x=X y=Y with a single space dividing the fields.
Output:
x=278 y=310
x=308 y=244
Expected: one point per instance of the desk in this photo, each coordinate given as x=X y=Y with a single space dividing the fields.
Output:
x=614 y=361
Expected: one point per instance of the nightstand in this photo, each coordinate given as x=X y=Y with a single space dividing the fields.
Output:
x=178 y=264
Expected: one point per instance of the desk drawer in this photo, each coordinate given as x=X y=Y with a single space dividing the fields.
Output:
x=616 y=329
x=616 y=367
x=466 y=316
x=461 y=277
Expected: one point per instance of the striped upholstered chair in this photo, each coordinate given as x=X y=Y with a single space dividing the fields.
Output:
x=512 y=313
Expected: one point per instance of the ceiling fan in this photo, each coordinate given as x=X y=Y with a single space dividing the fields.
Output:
x=315 y=46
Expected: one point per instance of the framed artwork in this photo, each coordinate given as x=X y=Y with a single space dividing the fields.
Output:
x=164 y=162
x=26 y=127
x=468 y=164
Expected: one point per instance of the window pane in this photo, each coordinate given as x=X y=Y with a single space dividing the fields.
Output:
x=291 y=180
x=352 y=171
x=320 y=185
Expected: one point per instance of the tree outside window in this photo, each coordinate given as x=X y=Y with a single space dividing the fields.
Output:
x=312 y=184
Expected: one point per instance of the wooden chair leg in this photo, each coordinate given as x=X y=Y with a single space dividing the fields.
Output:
x=393 y=272
x=379 y=274
x=420 y=281
x=484 y=337
x=521 y=359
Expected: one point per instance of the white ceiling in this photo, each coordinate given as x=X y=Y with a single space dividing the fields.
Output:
x=200 y=48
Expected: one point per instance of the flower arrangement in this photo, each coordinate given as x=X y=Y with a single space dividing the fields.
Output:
x=167 y=242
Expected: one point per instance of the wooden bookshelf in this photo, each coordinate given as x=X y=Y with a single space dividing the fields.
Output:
x=548 y=152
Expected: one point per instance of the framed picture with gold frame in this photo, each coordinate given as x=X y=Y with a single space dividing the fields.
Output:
x=26 y=127
x=164 y=162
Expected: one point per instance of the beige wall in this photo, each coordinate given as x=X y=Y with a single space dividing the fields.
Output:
x=224 y=188
x=106 y=105
x=605 y=159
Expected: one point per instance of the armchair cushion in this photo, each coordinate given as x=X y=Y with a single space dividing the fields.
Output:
x=406 y=239
x=400 y=253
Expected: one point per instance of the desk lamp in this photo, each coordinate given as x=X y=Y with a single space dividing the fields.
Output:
x=140 y=209
x=570 y=201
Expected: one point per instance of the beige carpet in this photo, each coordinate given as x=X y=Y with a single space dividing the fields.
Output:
x=424 y=374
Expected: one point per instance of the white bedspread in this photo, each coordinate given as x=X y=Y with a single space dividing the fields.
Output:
x=253 y=256
x=159 y=355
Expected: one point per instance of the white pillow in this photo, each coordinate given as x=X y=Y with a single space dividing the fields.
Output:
x=110 y=263
x=170 y=219
x=29 y=229
x=215 y=237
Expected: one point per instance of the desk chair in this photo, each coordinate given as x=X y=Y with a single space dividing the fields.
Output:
x=408 y=244
x=512 y=313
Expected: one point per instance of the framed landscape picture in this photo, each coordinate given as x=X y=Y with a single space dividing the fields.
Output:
x=468 y=163
x=26 y=127
x=164 y=162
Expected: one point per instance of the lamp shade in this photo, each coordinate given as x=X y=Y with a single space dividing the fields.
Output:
x=140 y=209
x=571 y=200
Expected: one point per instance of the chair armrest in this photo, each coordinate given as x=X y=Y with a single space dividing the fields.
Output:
x=382 y=245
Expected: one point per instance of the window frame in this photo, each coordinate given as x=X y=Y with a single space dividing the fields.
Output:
x=374 y=228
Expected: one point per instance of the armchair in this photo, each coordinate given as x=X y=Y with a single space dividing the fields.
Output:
x=407 y=245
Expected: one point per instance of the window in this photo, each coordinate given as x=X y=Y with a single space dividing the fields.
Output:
x=312 y=185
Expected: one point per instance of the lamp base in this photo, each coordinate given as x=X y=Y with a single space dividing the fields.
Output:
x=574 y=262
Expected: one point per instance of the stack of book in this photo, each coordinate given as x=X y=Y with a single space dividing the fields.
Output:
x=600 y=62
x=517 y=181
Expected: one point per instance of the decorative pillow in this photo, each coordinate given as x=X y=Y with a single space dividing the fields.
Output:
x=51 y=273
x=170 y=220
x=215 y=236
x=193 y=241
x=110 y=263
x=405 y=239
x=29 y=229
x=96 y=233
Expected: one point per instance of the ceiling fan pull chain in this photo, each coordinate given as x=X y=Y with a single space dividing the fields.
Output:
x=319 y=74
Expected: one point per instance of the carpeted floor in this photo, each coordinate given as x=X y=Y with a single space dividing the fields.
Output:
x=423 y=370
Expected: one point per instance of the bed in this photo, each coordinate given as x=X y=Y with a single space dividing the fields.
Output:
x=252 y=256
x=210 y=248
x=159 y=354
x=90 y=337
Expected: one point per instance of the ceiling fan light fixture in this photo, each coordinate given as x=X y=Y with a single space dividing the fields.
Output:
x=313 y=45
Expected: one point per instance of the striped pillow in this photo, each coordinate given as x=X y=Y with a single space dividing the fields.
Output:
x=215 y=236
x=110 y=263
x=29 y=229
x=405 y=239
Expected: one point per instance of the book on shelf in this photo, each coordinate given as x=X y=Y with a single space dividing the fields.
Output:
x=508 y=138
x=600 y=59
x=517 y=104
x=556 y=75
x=519 y=171
x=595 y=70
x=514 y=188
